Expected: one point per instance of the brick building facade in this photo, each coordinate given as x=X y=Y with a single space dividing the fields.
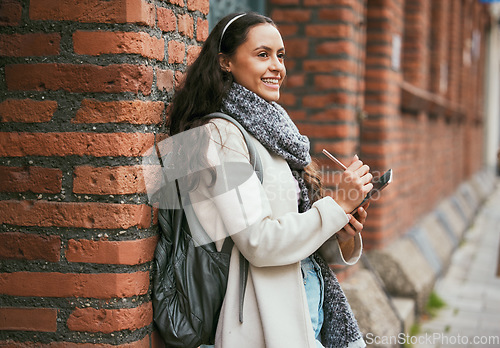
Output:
x=397 y=82
x=85 y=88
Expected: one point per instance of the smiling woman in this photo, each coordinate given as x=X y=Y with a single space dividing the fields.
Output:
x=259 y=63
x=283 y=226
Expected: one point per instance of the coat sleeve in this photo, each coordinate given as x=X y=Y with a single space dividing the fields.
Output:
x=242 y=203
x=332 y=253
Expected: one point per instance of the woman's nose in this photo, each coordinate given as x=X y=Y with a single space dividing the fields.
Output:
x=277 y=64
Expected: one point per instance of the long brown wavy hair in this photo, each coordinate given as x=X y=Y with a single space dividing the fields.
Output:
x=205 y=85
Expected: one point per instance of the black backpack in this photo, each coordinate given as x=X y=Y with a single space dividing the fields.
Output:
x=190 y=280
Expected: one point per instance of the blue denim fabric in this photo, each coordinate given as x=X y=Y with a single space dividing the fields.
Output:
x=314 y=286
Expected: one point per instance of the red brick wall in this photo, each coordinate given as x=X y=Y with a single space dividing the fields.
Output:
x=85 y=85
x=422 y=118
x=432 y=134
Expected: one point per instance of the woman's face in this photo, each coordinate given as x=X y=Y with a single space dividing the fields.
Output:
x=258 y=64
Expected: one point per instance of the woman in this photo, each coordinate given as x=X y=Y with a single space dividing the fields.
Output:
x=283 y=226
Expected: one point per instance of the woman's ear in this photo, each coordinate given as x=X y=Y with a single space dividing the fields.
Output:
x=224 y=62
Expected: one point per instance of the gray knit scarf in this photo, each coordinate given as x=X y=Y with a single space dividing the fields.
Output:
x=270 y=124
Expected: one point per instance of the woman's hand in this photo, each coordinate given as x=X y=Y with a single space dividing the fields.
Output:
x=353 y=185
x=354 y=226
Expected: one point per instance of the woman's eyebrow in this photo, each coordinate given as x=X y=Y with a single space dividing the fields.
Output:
x=264 y=47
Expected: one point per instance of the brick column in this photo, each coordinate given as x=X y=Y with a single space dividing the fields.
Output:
x=473 y=56
x=416 y=58
x=455 y=51
x=455 y=61
x=381 y=129
x=324 y=41
x=440 y=62
x=440 y=40
x=85 y=85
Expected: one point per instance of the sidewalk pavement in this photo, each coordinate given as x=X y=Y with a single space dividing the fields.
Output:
x=470 y=288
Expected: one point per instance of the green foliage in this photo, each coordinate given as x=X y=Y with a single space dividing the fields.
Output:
x=434 y=304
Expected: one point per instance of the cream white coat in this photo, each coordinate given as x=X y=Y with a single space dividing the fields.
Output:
x=264 y=222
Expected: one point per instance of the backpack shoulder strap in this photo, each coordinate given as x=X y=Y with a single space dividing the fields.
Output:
x=256 y=162
x=252 y=151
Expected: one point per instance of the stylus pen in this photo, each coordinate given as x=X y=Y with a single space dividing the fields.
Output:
x=330 y=156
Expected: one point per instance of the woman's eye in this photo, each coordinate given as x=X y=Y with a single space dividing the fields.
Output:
x=263 y=54
x=281 y=55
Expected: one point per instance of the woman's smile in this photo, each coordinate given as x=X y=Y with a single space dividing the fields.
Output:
x=271 y=82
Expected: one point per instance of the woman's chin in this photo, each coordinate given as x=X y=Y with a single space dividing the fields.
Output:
x=271 y=97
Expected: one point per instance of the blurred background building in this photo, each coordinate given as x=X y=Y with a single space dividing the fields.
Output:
x=411 y=85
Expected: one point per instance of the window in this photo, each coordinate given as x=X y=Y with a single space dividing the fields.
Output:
x=221 y=8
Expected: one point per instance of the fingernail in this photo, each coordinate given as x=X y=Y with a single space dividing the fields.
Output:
x=349 y=216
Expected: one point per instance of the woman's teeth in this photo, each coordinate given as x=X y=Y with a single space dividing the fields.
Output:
x=271 y=81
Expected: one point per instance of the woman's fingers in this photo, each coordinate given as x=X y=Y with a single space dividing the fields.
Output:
x=355 y=164
x=361 y=216
x=363 y=170
x=350 y=230
x=367 y=178
x=354 y=226
x=343 y=235
x=354 y=185
x=367 y=188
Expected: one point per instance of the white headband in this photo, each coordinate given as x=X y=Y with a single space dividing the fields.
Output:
x=227 y=25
